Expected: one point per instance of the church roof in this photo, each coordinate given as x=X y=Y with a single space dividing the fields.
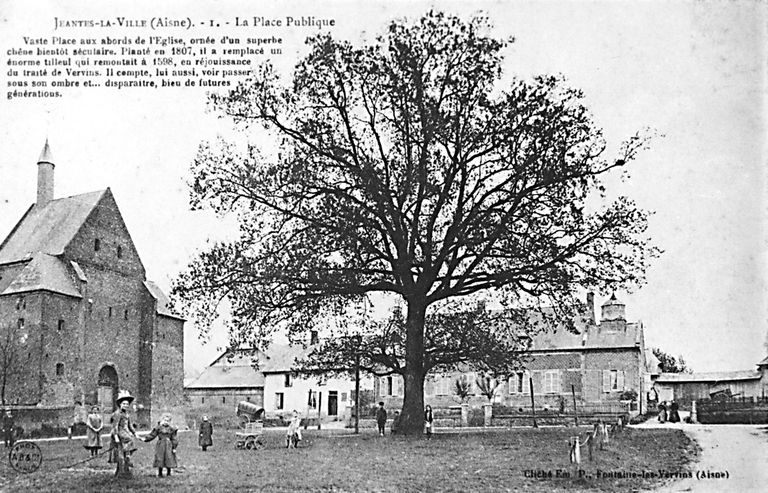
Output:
x=46 y=156
x=42 y=273
x=48 y=228
x=164 y=306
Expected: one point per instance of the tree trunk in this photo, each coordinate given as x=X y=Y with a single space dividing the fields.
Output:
x=412 y=417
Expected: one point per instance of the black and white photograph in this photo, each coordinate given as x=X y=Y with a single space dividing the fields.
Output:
x=384 y=246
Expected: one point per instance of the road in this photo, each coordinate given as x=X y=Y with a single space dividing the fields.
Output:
x=733 y=458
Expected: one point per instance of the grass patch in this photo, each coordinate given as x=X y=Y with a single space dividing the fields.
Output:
x=335 y=461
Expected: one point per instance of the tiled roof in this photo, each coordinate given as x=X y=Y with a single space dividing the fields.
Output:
x=48 y=228
x=609 y=336
x=225 y=376
x=237 y=370
x=43 y=272
x=718 y=376
x=163 y=303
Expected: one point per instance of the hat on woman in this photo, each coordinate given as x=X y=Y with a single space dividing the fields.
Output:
x=123 y=395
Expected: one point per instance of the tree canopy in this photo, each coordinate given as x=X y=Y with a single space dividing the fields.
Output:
x=404 y=167
x=670 y=364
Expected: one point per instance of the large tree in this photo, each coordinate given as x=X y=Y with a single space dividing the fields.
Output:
x=405 y=167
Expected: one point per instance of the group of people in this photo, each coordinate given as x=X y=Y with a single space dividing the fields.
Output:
x=124 y=438
x=381 y=420
x=668 y=411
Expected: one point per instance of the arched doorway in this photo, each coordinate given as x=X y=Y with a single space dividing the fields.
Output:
x=107 y=388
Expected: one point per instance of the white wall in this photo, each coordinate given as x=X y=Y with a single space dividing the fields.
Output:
x=296 y=396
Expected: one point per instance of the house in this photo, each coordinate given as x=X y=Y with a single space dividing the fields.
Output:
x=267 y=379
x=599 y=363
x=86 y=321
x=686 y=387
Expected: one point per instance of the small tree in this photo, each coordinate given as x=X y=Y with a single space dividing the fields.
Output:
x=488 y=385
x=461 y=389
x=670 y=364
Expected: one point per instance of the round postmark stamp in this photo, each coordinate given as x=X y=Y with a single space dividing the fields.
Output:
x=25 y=457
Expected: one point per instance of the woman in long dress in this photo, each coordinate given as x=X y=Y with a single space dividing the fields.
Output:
x=94 y=425
x=205 y=438
x=165 y=448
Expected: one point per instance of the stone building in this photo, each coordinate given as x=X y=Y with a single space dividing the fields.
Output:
x=599 y=364
x=232 y=377
x=84 y=319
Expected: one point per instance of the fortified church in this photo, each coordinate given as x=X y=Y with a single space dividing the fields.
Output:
x=79 y=315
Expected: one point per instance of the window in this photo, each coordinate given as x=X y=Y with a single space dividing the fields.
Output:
x=21 y=303
x=444 y=385
x=519 y=383
x=248 y=398
x=110 y=312
x=125 y=315
x=61 y=325
x=287 y=382
x=223 y=400
x=613 y=380
x=551 y=382
x=343 y=397
x=202 y=400
x=119 y=251
x=96 y=245
x=59 y=369
x=279 y=396
x=21 y=324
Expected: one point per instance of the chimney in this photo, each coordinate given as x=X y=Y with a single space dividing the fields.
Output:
x=313 y=339
x=45 y=176
x=591 y=307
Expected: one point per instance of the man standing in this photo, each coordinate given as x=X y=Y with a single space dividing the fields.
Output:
x=8 y=428
x=381 y=418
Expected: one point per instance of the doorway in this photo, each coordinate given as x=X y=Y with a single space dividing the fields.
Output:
x=333 y=403
x=107 y=384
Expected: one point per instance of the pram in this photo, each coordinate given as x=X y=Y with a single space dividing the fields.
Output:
x=251 y=433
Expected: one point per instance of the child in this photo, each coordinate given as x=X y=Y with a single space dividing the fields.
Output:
x=428 y=419
x=165 y=449
x=293 y=435
x=93 y=431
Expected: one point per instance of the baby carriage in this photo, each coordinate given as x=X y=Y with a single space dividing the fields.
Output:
x=251 y=433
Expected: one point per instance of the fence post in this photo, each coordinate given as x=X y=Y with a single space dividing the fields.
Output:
x=533 y=403
x=575 y=412
x=575 y=450
x=464 y=414
x=487 y=414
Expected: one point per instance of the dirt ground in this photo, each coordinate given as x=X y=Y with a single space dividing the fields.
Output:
x=732 y=458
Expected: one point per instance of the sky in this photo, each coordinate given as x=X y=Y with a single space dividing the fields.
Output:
x=693 y=72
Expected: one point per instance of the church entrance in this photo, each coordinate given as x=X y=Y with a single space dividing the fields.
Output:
x=107 y=388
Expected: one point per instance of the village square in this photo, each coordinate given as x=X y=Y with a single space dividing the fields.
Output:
x=432 y=258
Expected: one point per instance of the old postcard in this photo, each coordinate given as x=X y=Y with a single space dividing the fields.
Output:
x=383 y=245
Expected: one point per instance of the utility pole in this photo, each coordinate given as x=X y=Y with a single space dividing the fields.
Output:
x=357 y=393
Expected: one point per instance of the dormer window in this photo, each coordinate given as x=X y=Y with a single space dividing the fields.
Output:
x=96 y=245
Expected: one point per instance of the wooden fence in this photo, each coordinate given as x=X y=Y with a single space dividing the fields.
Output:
x=738 y=410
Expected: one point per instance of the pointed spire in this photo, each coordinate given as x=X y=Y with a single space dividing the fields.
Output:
x=45 y=176
x=46 y=156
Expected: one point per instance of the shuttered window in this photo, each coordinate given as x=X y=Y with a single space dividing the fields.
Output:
x=551 y=382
